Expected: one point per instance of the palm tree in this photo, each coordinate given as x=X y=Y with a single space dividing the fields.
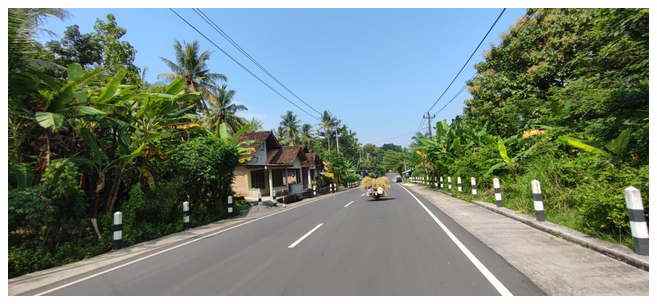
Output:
x=250 y=125
x=192 y=65
x=329 y=123
x=306 y=136
x=221 y=109
x=289 y=128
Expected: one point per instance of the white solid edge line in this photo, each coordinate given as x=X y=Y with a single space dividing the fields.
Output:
x=475 y=261
x=172 y=248
x=348 y=204
x=304 y=236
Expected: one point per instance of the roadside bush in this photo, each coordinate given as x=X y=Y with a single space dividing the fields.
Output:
x=29 y=213
x=20 y=175
x=131 y=209
x=204 y=168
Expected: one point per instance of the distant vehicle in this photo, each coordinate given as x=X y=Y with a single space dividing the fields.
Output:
x=376 y=187
x=398 y=179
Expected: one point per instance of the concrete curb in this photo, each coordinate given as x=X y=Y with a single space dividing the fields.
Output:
x=612 y=250
x=615 y=251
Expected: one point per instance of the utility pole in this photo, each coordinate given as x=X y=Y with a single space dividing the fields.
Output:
x=337 y=141
x=428 y=117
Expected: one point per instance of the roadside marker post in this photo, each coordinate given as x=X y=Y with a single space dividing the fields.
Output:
x=449 y=182
x=473 y=184
x=314 y=190
x=117 y=231
x=186 y=214
x=442 y=185
x=638 y=224
x=537 y=197
x=230 y=204
x=458 y=184
x=498 y=192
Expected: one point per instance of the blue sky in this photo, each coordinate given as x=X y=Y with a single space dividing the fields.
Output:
x=376 y=69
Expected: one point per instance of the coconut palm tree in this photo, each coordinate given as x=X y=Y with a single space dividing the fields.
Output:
x=306 y=136
x=289 y=128
x=192 y=65
x=221 y=109
x=329 y=124
x=250 y=125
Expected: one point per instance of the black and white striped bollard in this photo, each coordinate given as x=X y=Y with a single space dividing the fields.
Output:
x=117 y=230
x=186 y=214
x=442 y=185
x=638 y=223
x=458 y=184
x=537 y=197
x=449 y=182
x=473 y=185
x=314 y=190
x=230 y=204
x=498 y=191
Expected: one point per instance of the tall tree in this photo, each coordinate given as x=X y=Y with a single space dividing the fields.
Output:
x=191 y=64
x=221 y=109
x=289 y=128
x=250 y=125
x=76 y=47
x=117 y=54
x=306 y=136
x=329 y=124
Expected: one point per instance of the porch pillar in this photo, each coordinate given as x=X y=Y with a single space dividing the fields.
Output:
x=310 y=180
x=271 y=183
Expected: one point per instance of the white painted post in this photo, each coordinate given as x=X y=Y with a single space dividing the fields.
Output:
x=538 y=201
x=314 y=190
x=442 y=185
x=473 y=185
x=117 y=230
x=449 y=182
x=230 y=204
x=638 y=224
x=498 y=192
x=186 y=214
x=458 y=184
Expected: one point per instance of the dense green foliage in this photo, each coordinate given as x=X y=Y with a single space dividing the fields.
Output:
x=563 y=99
x=88 y=136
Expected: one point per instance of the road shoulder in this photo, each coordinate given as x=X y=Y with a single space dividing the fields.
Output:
x=557 y=266
x=35 y=282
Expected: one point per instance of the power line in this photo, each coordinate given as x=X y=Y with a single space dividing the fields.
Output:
x=221 y=32
x=241 y=65
x=469 y=58
x=452 y=99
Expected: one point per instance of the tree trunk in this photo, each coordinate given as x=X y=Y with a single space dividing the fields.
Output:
x=114 y=193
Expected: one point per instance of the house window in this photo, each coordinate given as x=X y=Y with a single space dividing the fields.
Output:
x=258 y=179
x=277 y=177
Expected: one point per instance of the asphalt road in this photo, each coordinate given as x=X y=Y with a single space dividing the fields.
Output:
x=341 y=245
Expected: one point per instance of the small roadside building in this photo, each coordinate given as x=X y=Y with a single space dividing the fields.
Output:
x=274 y=170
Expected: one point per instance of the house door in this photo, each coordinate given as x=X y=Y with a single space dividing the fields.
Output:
x=259 y=180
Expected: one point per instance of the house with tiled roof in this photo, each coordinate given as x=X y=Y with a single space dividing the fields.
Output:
x=275 y=170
